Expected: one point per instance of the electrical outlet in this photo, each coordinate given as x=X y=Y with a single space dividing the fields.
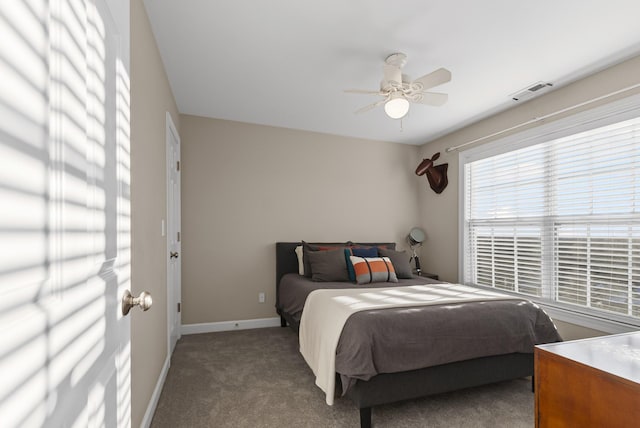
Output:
x=261 y=297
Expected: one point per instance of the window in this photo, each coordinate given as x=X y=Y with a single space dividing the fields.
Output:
x=557 y=218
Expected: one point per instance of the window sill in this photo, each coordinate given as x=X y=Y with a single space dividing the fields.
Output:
x=594 y=322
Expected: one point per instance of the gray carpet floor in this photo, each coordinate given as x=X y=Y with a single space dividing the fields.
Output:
x=257 y=378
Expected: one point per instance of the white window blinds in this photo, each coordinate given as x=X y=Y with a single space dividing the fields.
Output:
x=559 y=220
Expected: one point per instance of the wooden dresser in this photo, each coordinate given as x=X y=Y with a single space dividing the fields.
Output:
x=589 y=383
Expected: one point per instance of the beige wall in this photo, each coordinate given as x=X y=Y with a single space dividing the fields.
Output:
x=244 y=187
x=439 y=213
x=151 y=98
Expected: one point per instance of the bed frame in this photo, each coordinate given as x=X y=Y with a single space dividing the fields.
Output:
x=388 y=388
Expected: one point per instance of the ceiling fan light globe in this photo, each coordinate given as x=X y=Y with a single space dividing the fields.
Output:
x=396 y=108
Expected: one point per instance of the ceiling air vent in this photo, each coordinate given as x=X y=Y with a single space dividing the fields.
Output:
x=531 y=91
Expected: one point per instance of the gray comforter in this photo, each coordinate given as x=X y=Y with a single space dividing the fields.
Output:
x=402 y=339
x=295 y=288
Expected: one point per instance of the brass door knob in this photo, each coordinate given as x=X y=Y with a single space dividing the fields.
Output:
x=144 y=300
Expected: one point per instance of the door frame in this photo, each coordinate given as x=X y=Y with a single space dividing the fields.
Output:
x=174 y=291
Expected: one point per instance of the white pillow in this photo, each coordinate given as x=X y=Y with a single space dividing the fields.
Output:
x=300 y=261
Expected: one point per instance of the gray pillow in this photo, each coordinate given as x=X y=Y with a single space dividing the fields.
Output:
x=307 y=248
x=400 y=261
x=328 y=265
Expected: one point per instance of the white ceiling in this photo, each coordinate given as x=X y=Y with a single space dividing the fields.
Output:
x=286 y=62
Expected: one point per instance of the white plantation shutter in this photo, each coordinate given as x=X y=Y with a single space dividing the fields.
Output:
x=508 y=257
x=559 y=219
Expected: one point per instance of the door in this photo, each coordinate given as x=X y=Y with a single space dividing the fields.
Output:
x=64 y=213
x=173 y=231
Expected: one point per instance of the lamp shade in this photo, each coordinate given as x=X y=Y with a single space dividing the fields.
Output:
x=416 y=236
x=397 y=107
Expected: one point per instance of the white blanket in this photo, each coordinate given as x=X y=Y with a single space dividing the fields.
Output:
x=326 y=311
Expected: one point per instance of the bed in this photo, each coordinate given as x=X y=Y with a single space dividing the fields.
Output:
x=391 y=378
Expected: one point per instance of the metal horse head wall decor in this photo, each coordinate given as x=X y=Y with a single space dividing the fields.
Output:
x=436 y=174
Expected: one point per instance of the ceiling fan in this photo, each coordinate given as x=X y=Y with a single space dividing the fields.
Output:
x=399 y=90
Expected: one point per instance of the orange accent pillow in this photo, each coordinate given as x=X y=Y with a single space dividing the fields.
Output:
x=373 y=269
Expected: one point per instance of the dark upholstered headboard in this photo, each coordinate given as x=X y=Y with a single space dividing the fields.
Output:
x=287 y=261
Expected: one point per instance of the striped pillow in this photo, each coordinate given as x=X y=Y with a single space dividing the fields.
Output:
x=360 y=252
x=373 y=269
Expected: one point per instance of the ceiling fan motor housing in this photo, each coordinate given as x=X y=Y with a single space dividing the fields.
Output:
x=386 y=85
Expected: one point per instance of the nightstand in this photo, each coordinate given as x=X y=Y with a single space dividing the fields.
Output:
x=428 y=275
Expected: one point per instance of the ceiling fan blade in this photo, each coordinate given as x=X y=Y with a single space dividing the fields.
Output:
x=361 y=91
x=429 y=98
x=392 y=74
x=370 y=106
x=438 y=77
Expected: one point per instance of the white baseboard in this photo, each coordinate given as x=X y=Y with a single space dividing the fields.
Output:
x=211 y=327
x=153 y=402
